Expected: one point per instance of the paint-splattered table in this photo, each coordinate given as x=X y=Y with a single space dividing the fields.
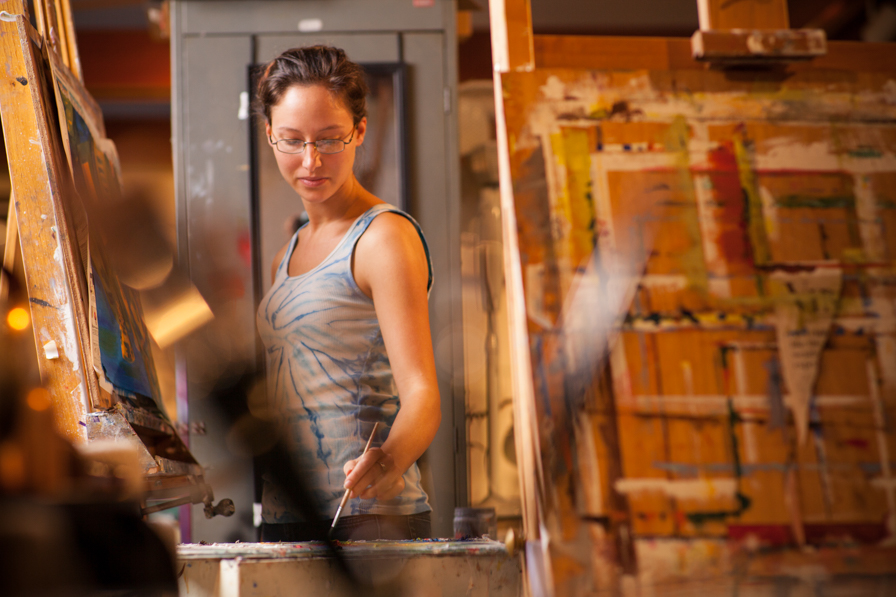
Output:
x=436 y=567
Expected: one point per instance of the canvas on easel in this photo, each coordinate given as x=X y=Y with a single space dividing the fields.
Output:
x=93 y=345
x=700 y=256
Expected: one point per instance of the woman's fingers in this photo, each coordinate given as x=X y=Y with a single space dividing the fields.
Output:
x=374 y=475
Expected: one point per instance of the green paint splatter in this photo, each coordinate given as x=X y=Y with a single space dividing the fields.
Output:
x=865 y=152
x=743 y=502
x=693 y=261
x=832 y=202
x=743 y=153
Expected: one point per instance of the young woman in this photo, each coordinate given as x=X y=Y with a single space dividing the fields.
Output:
x=345 y=324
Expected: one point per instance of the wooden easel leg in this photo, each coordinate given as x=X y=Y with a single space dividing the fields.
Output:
x=9 y=249
x=511 y=31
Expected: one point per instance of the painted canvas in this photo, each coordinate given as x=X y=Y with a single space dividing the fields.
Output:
x=707 y=265
x=120 y=344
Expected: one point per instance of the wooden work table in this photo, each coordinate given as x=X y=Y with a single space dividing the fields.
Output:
x=437 y=567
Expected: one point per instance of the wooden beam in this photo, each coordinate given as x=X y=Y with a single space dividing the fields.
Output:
x=654 y=53
x=724 y=15
x=511 y=31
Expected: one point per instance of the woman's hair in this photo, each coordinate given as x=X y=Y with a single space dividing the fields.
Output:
x=313 y=65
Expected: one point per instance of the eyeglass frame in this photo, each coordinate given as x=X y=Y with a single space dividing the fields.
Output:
x=313 y=144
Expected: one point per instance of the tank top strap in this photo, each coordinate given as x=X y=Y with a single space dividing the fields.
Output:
x=283 y=267
x=362 y=223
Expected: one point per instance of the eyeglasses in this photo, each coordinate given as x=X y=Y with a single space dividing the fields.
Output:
x=294 y=146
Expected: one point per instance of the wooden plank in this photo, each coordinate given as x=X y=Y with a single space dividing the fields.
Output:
x=744 y=14
x=55 y=36
x=68 y=22
x=758 y=46
x=38 y=178
x=40 y=17
x=656 y=53
x=511 y=32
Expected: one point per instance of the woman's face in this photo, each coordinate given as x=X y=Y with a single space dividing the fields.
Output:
x=312 y=113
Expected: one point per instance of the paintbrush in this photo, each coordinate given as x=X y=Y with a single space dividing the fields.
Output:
x=349 y=491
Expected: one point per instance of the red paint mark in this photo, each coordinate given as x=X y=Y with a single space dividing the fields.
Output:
x=731 y=211
x=424 y=3
x=776 y=535
x=680 y=517
x=857 y=442
x=244 y=247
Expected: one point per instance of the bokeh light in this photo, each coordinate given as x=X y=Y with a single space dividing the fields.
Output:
x=38 y=399
x=18 y=318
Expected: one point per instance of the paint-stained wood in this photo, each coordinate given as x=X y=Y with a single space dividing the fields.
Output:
x=654 y=54
x=751 y=47
x=511 y=33
x=708 y=186
x=73 y=61
x=37 y=172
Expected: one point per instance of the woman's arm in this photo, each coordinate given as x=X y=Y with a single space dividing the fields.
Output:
x=390 y=266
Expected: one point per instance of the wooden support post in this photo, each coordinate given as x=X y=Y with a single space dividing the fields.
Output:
x=67 y=23
x=511 y=31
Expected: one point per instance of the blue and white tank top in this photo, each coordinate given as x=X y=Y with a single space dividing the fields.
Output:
x=329 y=376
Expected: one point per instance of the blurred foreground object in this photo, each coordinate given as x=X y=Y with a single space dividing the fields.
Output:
x=70 y=517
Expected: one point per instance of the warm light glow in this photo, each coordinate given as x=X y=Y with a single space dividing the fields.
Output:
x=18 y=318
x=38 y=399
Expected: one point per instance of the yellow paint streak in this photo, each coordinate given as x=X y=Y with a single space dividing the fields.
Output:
x=693 y=260
x=756 y=222
x=575 y=204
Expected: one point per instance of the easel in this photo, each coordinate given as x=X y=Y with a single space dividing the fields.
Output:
x=50 y=219
x=597 y=108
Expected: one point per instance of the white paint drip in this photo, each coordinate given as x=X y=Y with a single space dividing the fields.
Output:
x=51 y=351
x=553 y=90
x=8 y=17
x=709 y=225
x=751 y=450
x=686 y=489
x=70 y=343
x=667 y=281
x=242 y=112
x=719 y=287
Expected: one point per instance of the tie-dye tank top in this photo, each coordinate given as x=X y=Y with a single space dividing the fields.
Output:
x=329 y=376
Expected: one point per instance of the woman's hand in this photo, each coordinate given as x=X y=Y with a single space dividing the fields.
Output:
x=374 y=475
